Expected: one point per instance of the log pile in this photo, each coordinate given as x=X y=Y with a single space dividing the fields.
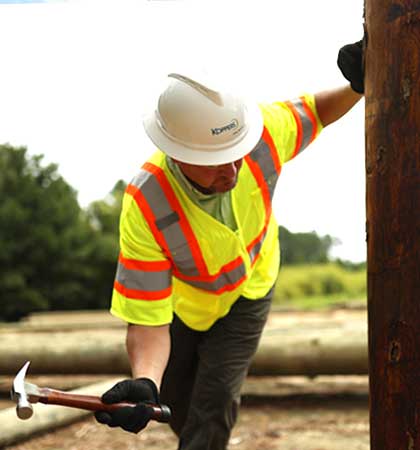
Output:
x=325 y=348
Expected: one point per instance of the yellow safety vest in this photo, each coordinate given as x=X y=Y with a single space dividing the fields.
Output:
x=176 y=257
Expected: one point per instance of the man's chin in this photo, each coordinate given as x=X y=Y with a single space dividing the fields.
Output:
x=221 y=189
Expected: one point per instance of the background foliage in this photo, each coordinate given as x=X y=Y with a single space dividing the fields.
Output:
x=54 y=255
x=320 y=285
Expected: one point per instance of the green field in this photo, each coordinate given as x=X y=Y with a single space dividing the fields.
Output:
x=320 y=286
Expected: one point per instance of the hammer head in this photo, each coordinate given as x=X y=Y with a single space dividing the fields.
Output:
x=23 y=408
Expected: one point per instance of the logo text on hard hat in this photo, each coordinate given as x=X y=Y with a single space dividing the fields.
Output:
x=230 y=126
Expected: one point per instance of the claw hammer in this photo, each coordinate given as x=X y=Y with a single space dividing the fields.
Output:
x=24 y=394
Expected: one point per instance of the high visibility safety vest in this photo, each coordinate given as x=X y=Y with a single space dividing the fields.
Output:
x=176 y=257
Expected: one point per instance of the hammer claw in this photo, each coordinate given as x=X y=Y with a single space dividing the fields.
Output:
x=23 y=407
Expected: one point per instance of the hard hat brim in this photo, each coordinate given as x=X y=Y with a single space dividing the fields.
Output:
x=206 y=157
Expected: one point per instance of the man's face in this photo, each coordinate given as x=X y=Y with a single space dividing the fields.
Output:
x=212 y=179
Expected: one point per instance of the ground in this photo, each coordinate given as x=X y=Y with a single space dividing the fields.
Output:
x=277 y=413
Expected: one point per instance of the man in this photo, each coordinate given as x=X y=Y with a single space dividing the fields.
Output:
x=199 y=250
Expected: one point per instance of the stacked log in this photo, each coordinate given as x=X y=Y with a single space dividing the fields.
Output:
x=282 y=351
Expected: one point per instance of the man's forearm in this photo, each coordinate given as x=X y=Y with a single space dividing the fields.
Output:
x=148 y=351
x=334 y=103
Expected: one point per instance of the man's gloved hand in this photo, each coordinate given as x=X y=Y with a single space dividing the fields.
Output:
x=351 y=63
x=140 y=391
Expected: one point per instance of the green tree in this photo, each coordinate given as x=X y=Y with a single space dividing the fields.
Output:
x=103 y=215
x=46 y=241
x=304 y=248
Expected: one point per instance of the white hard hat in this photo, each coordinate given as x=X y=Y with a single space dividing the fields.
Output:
x=197 y=125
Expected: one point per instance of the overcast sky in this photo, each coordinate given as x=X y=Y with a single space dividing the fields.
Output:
x=77 y=76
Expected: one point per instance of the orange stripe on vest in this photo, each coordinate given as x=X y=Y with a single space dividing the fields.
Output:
x=136 y=294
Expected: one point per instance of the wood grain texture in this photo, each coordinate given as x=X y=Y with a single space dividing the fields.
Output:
x=392 y=81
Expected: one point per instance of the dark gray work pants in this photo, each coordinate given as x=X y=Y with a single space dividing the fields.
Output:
x=205 y=373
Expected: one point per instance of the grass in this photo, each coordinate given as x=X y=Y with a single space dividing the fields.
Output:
x=320 y=303
x=320 y=287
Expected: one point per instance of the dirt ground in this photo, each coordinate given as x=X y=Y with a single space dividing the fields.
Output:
x=277 y=413
x=329 y=413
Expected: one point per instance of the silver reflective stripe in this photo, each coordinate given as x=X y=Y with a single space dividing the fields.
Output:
x=224 y=279
x=143 y=280
x=262 y=156
x=167 y=221
x=307 y=125
x=255 y=250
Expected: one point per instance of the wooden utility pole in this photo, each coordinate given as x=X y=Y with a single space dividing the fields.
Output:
x=392 y=94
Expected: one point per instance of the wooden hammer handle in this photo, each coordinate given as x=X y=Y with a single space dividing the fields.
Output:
x=161 y=413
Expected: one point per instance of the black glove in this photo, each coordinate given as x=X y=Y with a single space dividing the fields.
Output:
x=351 y=63
x=135 y=418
